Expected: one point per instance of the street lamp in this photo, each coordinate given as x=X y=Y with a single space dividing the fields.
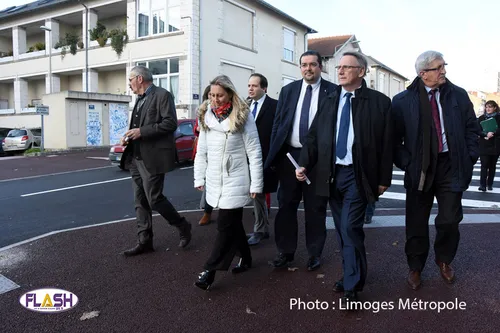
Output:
x=42 y=143
x=50 y=55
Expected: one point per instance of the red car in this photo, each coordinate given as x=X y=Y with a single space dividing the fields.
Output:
x=184 y=138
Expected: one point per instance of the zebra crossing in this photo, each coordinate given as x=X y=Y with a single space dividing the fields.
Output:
x=396 y=194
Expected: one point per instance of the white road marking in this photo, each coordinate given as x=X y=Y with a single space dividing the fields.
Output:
x=57 y=173
x=468 y=218
x=73 y=187
x=401 y=173
x=187 y=168
x=465 y=202
x=98 y=158
x=469 y=190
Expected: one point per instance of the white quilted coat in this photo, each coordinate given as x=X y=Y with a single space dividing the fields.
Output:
x=228 y=162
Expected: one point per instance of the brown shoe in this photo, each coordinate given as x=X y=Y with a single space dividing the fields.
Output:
x=414 y=280
x=446 y=271
x=205 y=219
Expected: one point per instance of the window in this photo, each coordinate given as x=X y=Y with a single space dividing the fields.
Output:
x=288 y=45
x=14 y=133
x=165 y=74
x=154 y=16
x=381 y=82
x=186 y=129
x=286 y=80
x=238 y=25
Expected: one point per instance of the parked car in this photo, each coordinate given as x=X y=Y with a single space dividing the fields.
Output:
x=184 y=138
x=3 y=133
x=20 y=140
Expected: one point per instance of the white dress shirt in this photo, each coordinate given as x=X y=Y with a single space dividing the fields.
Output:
x=259 y=105
x=347 y=160
x=443 y=132
x=294 y=136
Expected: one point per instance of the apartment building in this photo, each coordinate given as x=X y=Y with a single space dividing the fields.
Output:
x=379 y=76
x=50 y=46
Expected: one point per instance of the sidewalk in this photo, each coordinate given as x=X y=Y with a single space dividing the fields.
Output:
x=19 y=166
x=155 y=292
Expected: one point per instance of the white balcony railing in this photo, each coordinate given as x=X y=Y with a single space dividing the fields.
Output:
x=7 y=111
x=32 y=54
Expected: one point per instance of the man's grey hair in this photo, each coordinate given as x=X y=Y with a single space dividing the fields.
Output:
x=360 y=58
x=425 y=59
x=142 y=71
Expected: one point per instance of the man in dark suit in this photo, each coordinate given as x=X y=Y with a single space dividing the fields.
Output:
x=436 y=144
x=150 y=153
x=350 y=145
x=297 y=106
x=263 y=109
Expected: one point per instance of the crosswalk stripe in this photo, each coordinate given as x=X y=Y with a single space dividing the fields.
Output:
x=402 y=173
x=465 y=202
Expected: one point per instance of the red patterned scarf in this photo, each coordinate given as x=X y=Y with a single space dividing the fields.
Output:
x=222 y=112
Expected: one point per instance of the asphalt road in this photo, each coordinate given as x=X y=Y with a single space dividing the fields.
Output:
x=46 y=202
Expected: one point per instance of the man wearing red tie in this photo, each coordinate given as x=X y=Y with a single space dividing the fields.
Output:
x=436 y=145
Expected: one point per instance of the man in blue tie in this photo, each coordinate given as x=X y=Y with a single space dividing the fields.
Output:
x=297 y=105
x=350 y=146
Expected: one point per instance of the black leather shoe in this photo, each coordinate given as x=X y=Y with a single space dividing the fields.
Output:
x=139 y=249
x=205 y=280
x=257 y=237
x=490 y=188
x=313 y=264
x=368 y=219
x=184 y=233
x=243 y=266
x=482 y=188
x=282 y=260
x=348 y=298
x=338 y=287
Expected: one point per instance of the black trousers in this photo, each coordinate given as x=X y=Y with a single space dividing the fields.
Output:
x=290 y=193
x=488 y=169
x=231 y=240
x=148 y=196
x=450 y=213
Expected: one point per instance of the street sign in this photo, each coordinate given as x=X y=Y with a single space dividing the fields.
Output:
x=42 y=109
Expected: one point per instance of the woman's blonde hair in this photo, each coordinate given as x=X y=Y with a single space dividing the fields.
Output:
x=225 y=82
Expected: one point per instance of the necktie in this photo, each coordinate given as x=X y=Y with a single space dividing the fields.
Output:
x=435 y=117
x=304 y=115
x=254 y=112
x=345 y=119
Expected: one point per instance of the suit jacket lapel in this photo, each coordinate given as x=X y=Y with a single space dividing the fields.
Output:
x=146 y=104
x=263 y=109
x=323 y=92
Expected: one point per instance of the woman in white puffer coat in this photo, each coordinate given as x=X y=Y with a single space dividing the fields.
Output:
x=229 y=164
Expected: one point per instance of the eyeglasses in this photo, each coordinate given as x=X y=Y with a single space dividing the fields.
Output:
x=130 y=79
x=346 y=68
x=439 y=68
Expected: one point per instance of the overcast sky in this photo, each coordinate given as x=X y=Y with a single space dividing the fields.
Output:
x=395 y=32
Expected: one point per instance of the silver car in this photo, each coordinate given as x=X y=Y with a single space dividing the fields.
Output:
x=21 y=139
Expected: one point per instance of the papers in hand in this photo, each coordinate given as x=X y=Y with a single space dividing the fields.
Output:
x=296 y=166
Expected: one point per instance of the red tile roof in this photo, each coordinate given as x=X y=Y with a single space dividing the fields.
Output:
x=326 y=45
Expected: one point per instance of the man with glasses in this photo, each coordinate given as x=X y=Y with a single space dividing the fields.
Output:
x=436 y=144
x=350 y=146
x=150 y=153
x=297 y=106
